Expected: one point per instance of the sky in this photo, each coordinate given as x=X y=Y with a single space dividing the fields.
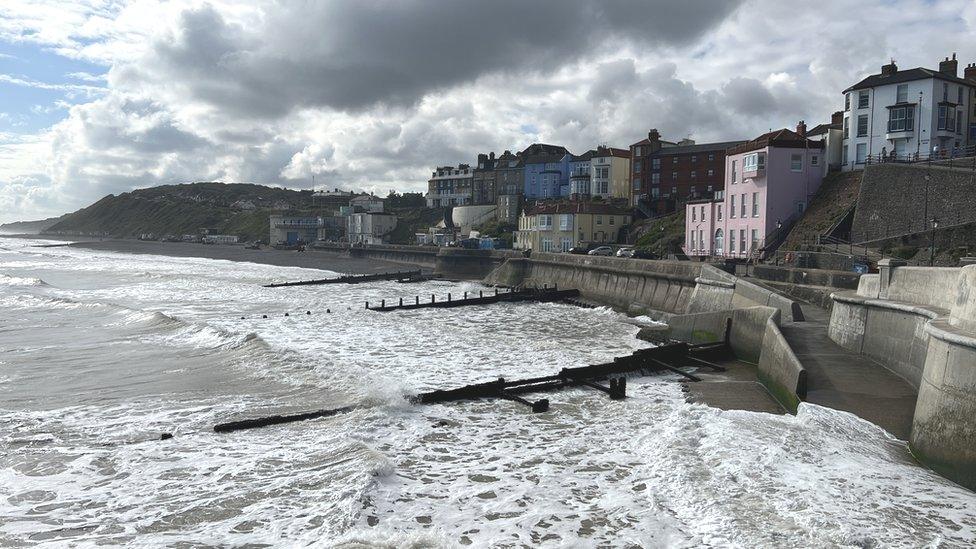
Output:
x=101 y=97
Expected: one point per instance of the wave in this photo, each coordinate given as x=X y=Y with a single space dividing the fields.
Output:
x=7 y=280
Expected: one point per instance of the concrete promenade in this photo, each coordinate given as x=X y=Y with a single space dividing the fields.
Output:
x=845 y=380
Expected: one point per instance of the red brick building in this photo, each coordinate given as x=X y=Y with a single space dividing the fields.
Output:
x=665 y=175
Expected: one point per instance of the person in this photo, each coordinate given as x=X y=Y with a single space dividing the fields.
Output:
x=884 y=154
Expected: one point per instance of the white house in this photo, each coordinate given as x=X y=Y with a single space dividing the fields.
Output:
x=370 y=228
x=908 y=113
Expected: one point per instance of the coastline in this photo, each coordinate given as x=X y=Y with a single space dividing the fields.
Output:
x=310 y=259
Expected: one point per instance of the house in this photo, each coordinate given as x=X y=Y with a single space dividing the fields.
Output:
x=832 y=136
x=545 y=171
x=610 y=173
x=768 y=183
x=666 y=174
x=483 y=181
x=558 y=226
x=367 y=203
x=370 y=228
x=509 y=182
x=580 y=173
x=908 y=114
x=449 y=186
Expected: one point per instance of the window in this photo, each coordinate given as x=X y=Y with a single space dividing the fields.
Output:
x=733 y=171
x=565 y=222
x=947 y=119
x=637 y=151
x=796 y=162
x=732 y=207
x=861 y=153
x=691 y=189
x=753 y=162
x=959 y=101
x=703 y=213
x=755 y=238
x=901 y=119
x=711 y=173
x=742 y=240
x=901 y=95
x=674 y=160
x=694 y=214
x=711 y=157
x=847 y=127
x=674 y=176
x=694 y=174
x=694 y=158
x=599 y=220
x=847 y=102
x=566 y=243
x=655 y=179
x=862 y=125
x=862 y=99
x=742 y=205
x=545 y=221
x=637 y=184
x=718 y=241
x=613 y=219
x=959 y=122
x=547 y=244
x=945 y=91
x=656 y=164
x=755 y=204
x=718 y=211
x=674 y=190
x=655 y=192
x=637 y=167
x=844 y=155
x=814 y=160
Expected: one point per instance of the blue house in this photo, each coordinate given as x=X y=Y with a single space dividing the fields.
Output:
x=546 y=171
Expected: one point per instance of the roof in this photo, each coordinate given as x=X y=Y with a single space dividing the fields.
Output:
x=542 y=148
x=647 y=141
x=908 y=75
x=601 y=152
x=576 y=207
x=783 y=138
x=583 y=157
x=821 y=129
x=369 y=197
x=698 y=148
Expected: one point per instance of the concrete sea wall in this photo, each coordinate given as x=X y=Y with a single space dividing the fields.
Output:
x=920 y=322
x=447 y=262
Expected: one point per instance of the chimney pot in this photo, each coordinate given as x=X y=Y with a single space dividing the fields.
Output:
x=801 y=128
x=950 y=67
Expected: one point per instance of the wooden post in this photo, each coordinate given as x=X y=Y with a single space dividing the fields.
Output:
x=431 y=298
x=465 y=295
x=417 y=298
x=496 y=291
x=401 y=302
x=481 y=293
x=367 y=304
x=382 y=303
x=448 y=296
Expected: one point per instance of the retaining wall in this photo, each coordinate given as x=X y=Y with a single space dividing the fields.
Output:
x=808 y=277
x=780 y=371
x=933 y=345
x=642 y=287
x=447 y=262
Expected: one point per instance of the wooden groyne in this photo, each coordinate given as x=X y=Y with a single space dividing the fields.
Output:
x=399 y=276
x=671 y=358
x=537 y=295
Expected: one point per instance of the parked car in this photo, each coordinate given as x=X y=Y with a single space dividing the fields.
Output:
x=582 y=249
x=602 y=250
x=625 y=252
x=640 y=253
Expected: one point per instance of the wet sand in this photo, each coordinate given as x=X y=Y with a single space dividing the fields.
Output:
x=311 y=259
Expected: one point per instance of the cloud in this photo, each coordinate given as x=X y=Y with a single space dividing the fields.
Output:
x=372 y=94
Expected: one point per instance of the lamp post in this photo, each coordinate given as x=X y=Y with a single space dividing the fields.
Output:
x=935 y=225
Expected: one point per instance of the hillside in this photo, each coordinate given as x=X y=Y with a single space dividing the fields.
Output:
x=28 y=227
x=229 y=208
x=836 y=196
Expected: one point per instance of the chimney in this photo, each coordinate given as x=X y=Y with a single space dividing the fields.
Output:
x=491 y=155
x=653 y=135
x=889 y=69
x=801 y=129
x=950 y=67
x=970 y=72
x=837 y=118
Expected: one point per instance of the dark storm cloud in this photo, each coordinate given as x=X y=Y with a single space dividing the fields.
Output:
x=353 y=55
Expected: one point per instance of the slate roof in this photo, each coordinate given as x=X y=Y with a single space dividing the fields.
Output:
x=699 y=148
x=582 y=207
x=908 y=75
x=783 y=138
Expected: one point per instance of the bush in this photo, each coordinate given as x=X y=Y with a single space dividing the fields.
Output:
x=904 y=252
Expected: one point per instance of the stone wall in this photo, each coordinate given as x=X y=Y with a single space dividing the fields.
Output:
x=808 y=277
x=892 y=200
x=920 y=322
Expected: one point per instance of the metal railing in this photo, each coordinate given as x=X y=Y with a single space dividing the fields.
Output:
x=952 y=157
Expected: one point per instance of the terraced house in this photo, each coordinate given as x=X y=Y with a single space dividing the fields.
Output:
x=558 y=226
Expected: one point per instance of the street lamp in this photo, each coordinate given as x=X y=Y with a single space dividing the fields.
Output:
x=935 y=225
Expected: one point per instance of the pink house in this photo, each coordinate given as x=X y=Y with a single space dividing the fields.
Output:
x=768 y=183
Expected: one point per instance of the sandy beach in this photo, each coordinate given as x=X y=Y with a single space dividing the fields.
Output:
x=311 y=259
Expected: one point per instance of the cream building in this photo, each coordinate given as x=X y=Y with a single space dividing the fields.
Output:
x=558 y=226
x=610 y=173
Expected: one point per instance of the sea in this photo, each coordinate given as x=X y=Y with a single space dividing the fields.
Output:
x=101 y=353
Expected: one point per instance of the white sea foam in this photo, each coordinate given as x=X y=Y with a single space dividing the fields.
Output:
x=152 y=345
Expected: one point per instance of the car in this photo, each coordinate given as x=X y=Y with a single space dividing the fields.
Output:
x=602 y=250
x=625 y=252
x=642 y=253
x=580 y=250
